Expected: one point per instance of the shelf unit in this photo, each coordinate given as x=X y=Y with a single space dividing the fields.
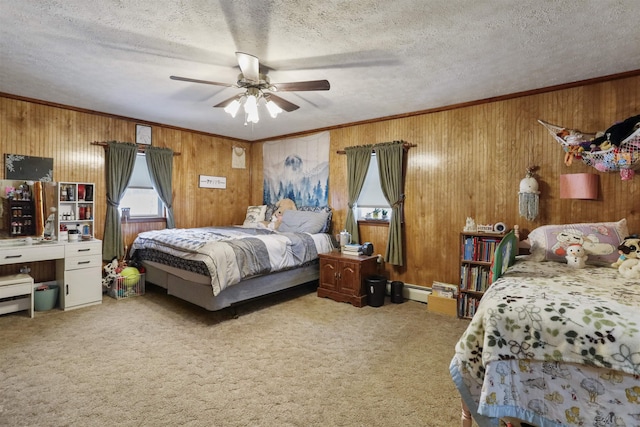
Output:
x=75 y=208
x=21 y=218
x=476 y=257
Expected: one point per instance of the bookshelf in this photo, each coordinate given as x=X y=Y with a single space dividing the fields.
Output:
x=476 y=257
x=75 y=209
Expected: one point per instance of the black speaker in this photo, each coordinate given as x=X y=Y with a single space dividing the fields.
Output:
x=366 y=248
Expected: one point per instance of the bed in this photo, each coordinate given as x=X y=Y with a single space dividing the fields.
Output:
x=217 y=267
x=551 y=345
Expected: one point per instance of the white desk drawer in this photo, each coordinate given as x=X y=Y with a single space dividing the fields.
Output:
x=76 y=262
x=31 y=253
x=93 y=247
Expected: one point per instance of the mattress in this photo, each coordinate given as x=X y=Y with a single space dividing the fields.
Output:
x=228 y=255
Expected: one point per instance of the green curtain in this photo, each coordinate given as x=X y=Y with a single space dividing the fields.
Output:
x=160 y=166
x=121 y=158
x=358 y=158
x=390 y=157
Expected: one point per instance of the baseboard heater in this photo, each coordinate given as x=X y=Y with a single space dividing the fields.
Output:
x=412 y=292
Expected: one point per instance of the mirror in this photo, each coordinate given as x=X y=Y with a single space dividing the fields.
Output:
x=25 y=207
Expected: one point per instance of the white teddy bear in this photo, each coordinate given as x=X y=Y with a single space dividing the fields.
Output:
x=576 y=256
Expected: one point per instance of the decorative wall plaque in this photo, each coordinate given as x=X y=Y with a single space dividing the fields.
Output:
x=28 y=168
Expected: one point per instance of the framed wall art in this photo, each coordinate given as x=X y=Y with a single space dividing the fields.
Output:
x=143 y=134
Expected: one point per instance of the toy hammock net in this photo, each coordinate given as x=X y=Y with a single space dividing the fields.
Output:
x=624 y=158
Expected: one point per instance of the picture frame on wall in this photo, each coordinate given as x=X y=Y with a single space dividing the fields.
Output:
x=143 y=134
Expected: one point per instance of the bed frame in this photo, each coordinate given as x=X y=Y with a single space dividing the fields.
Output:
x=196 y=288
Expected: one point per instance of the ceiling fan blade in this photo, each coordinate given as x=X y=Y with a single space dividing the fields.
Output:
x=282 y=103
x=226 y=102
x=249 y=65
x=207 y=82
x=300 y=86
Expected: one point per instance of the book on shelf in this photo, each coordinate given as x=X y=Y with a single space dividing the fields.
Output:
x=476 y=248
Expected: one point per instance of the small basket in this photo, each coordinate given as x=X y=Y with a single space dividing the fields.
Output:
x=125 y=287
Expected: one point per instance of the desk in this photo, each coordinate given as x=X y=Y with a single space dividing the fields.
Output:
x=78 y=267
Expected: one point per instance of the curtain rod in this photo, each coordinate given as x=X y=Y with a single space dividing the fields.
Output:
x=406 y=146
x=141 y=148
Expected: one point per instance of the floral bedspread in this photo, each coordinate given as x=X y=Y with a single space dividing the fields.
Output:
x=573 y=335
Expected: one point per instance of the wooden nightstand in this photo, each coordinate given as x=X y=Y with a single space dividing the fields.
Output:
x=342 y=277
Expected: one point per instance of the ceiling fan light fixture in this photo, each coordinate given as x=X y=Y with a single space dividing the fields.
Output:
x=258 y=86
x=232 y=108
x=274 y=110
x=251 y=109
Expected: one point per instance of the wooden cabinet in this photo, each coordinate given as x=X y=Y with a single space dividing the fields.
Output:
x=476 y=257
x=80 y=274
x=342 y=277
x=75 y=208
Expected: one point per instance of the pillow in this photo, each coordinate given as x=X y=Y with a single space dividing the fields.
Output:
x=600 y=241
x=255 y=214
x=271 y=208
x=268 y=214
x=303 y=221
x=326 y=209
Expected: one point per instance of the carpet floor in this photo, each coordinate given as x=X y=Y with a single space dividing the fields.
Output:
x=291 y=359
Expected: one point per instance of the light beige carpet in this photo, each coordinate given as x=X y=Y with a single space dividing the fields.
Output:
x=289 y=360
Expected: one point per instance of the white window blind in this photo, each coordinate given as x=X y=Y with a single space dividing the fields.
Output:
x=140 y=197
x=371 y=194
x=140 y=177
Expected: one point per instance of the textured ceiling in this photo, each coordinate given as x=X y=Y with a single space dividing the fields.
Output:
x=382 y=58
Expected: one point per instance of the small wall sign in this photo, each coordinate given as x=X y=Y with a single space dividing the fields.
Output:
x=207 y=181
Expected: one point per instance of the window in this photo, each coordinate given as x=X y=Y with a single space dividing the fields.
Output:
x=371 y=197
x=140 y=197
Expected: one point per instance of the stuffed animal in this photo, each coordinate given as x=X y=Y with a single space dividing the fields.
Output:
x=629 y=262
x=618 y=133
x=110 y=273
x=281 y=206
x=576 y=256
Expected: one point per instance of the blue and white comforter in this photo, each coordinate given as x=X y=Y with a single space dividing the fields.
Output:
x=232 y=254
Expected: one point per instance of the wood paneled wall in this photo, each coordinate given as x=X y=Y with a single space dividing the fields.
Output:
x=468 y=162
x=36 y=129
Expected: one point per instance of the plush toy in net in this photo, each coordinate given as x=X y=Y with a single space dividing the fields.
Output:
x=130 y=276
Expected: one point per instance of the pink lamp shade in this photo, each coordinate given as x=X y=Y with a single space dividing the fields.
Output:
x=579 y=186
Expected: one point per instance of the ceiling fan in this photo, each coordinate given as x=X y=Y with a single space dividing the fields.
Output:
x=258 y=86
